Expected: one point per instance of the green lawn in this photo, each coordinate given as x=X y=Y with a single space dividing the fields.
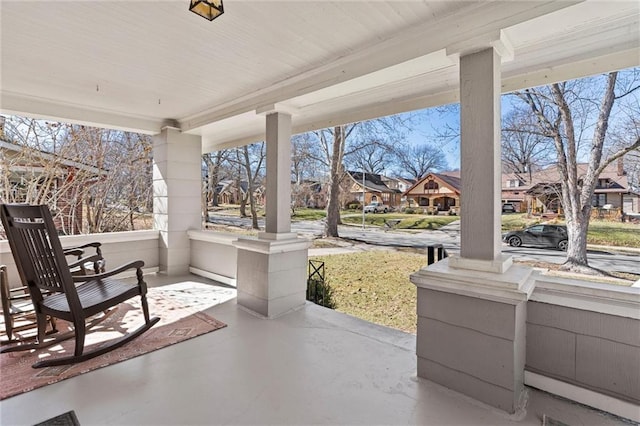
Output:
x=614 y=233
x=308 y=214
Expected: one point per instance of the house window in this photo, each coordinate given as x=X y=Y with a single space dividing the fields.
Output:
x=513 y=183
x=385 y=197
x=431 y=187
x=598 y=200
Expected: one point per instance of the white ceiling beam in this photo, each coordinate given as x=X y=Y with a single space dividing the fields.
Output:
x=569 y=71
x=28 y=106
x=273 y=108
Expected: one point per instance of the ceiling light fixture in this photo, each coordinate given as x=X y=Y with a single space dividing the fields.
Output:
x=208 y=9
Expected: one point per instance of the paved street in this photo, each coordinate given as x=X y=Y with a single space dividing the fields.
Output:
x=608 y=259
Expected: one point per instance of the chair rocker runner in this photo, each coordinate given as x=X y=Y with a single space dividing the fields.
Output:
x=56 y=293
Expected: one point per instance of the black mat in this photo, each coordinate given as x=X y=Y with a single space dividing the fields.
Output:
x=67 y=419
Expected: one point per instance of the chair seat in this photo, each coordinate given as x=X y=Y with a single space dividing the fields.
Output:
x=95 y=296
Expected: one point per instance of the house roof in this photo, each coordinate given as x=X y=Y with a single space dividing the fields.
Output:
x=618 y=179
x=372 y=182
x=143 y=65
x=452 y=182
x=522 y=178
x=48 y=157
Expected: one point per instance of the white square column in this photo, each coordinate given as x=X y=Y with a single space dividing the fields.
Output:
x=278 y=192
x=272 y=269
x=472 y=308
x=177 y=186
x=480 y=212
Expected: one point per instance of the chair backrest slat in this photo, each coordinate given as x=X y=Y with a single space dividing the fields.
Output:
x=36 y=248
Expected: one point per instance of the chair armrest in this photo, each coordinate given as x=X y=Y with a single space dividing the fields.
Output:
x=81 y=262
x=73 y=252
x=94 y=244
x=79 y=250
x=138 y=264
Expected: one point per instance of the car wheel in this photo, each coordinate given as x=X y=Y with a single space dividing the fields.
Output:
x=515 y=242
x=562 y=245
x=385 y=210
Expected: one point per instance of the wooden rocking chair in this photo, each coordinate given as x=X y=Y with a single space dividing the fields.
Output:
x=56 y=293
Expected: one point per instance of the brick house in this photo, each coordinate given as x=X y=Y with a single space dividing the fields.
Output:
x=540 y=192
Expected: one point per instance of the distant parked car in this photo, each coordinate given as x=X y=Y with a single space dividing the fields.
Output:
x=508 y=208
x=376 y=208
x=553 y=236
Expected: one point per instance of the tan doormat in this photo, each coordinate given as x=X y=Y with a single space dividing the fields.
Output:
x=178 y=307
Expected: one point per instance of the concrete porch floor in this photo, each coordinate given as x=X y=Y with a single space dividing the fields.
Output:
x=313 y=366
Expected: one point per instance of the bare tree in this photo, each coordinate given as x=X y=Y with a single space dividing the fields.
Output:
x=214 y=162
x=374 y=156
x=524 y=148
x=304 y=158
x=334 y=142
x=249 y=160
x=94 y=180
x=418 y=160
x=114 y=202
x=341 y=142
x=623 y=136
x=563 y=111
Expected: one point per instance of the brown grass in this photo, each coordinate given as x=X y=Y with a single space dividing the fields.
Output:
x=375 y=286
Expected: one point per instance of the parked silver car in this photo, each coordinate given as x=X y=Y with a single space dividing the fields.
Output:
x=376 y=208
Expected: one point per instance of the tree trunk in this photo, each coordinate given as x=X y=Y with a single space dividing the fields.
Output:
x=251 y=178
x=333 y=206
x=243 y=205
x=577 y=225
x=254 y=213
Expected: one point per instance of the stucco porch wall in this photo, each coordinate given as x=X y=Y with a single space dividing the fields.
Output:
x=587 y=336
x=214 y=256
x=117 y=248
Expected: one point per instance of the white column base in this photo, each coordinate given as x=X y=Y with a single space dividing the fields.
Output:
x=498 y=266
x=272 y=275
x=513 y=286
x=472 y=331
x=277 y=236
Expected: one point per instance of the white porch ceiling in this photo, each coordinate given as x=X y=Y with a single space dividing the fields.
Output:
x=140 y=65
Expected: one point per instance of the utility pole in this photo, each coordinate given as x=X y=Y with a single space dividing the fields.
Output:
x=364 y=193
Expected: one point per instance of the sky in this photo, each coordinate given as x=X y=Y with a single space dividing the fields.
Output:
x=433 y=124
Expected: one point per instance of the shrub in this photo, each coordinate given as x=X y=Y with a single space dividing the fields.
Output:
x=320 y=292
x=354 y=205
